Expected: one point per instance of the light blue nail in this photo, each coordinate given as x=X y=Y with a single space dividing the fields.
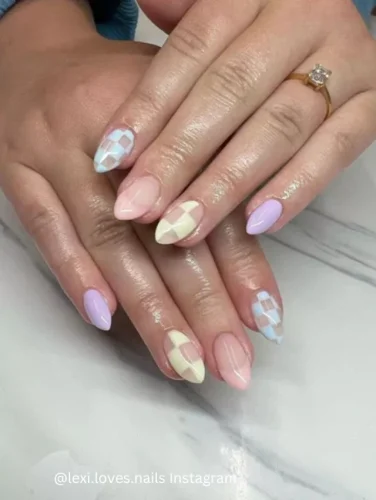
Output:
x=114 y=148
x=268 y=316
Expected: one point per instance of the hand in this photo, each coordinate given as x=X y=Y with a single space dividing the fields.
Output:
x=54 y=104
x=219 y=83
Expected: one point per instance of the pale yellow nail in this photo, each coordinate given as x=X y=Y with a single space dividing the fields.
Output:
x=184 y=357
x=179 y=223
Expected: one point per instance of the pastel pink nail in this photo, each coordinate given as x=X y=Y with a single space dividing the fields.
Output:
x=137 y=199
x=264 y=217
x=233 y=362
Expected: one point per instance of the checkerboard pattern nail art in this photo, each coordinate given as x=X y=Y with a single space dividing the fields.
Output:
x=114 y=148
x=184 y=357
x=268 y=316
x=179 y=223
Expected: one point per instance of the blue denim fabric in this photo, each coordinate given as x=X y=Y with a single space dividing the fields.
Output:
x=123 y=24
x=365 y=7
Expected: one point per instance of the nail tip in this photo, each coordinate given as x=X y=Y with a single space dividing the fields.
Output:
x=160 y=237
x=99 y=169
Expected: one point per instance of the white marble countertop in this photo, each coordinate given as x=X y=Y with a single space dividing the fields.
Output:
x=73 y=401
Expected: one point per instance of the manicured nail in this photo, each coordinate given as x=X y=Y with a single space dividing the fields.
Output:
x=268 y=316
x=97 y=309
x=179 y=223
x=264 y=217
x=184 y=357
x=137 y=199
x=114 y=148
x=232 y=361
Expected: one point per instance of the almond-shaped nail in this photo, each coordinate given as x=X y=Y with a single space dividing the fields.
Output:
x=268 y=316
x=113 y=150
x=233 y=362
x=97 y=309
x=264 y=217
x=179 y=223
x=137 y=199
x=184 y=357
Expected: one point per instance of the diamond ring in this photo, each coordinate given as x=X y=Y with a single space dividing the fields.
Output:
x=317 y=80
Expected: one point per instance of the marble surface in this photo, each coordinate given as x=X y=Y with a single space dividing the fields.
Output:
x=76 y=402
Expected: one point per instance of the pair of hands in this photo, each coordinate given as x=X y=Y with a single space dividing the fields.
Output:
x=188 y=305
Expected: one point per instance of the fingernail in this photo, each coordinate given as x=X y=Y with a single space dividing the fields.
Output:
x=97 y=309
x=179 y=223
x=137 y=199
x=232 y=361
x=268 y=316
x=114 y=148
x=184 y=357
x=264 y=217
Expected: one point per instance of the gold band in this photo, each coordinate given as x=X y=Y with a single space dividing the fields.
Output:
x=309 y=81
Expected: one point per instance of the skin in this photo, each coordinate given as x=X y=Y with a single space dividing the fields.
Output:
x=216 y=96
x=55 y=103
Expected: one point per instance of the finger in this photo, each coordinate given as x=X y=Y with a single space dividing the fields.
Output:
x=248 y=277
x=266 y=142
x=44 y=217
x=335 y=146
x=192 y=46
x=164 y=13
x=226 y=95
x=89 y=199
x=206 y=306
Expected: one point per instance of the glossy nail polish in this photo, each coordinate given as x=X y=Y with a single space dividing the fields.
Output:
x=137 y=199
x=233 y=362
x=184 y=357
x=97 y=309
x=179 y=223
x=264 y=217
x=114 y=148
x=268 y=316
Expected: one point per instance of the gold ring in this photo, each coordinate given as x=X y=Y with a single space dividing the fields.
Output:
x=317 y=80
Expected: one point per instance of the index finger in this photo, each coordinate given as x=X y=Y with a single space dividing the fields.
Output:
x=191 y=48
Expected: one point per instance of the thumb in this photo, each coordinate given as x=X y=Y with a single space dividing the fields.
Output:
x=165 y=14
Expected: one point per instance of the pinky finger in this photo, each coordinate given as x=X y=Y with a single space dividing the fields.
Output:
x=45 y=218
x=336 y=144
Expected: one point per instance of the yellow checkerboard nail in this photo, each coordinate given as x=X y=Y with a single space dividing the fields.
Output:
x=184 y=357
x=179 y=223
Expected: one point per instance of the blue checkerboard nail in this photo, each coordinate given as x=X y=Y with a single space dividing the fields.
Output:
x=268 y=316
x=114 y=148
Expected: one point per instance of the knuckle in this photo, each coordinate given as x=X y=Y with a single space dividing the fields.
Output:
x=190 y=42
x=41 y=221
x=175 y=152
x=231 y=181
x=207 y=301
x=149 y=101
x=344 y=141
x=105 y=231
x=232 y=82
x=246 y=263
x=147 y=302
x=286 y=121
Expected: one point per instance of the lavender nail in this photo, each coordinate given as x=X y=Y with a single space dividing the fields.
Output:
x=97 y=309
x=264 y=217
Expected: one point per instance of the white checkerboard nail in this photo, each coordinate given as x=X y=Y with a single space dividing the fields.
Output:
x=114 y=148
x=268 y=316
